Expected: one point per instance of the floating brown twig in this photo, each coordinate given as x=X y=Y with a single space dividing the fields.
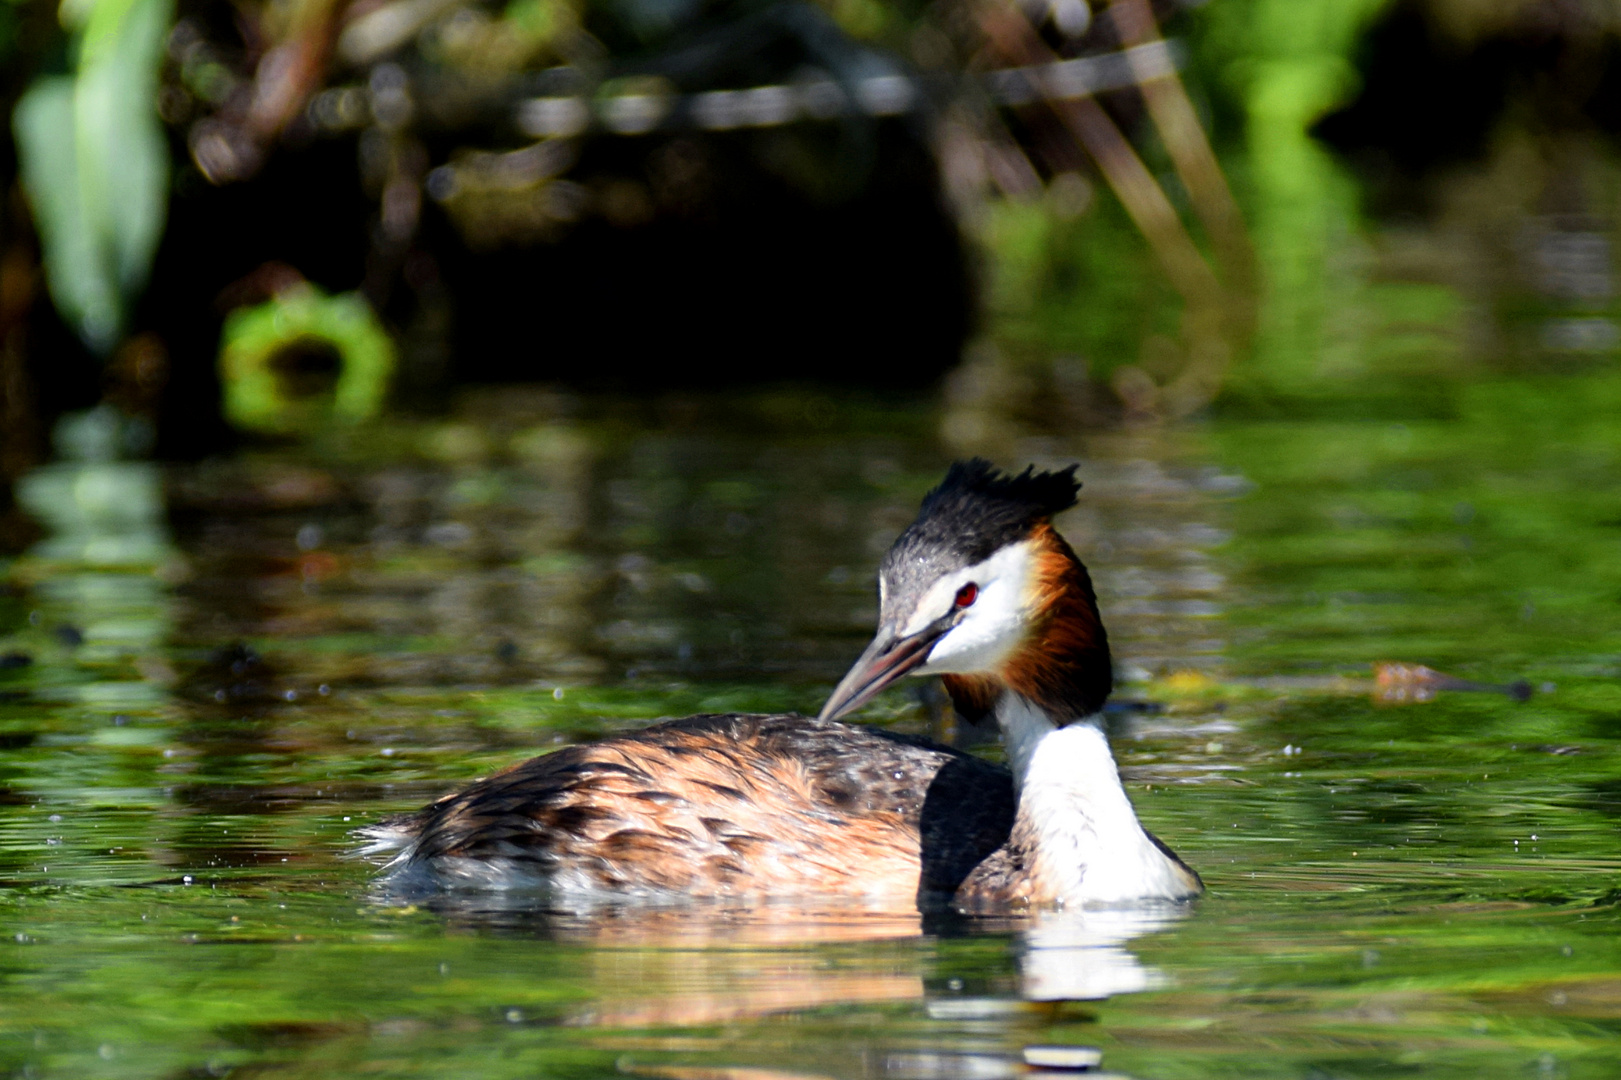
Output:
x=1408 y=684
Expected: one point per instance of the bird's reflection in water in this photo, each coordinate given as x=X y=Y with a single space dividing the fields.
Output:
x=703 y=963
x=1082 y=955
x=714 y=1072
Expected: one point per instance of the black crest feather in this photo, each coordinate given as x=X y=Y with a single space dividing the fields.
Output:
x=978 y=509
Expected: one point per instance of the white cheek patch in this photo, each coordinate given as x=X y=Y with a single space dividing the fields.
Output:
x=993 y=627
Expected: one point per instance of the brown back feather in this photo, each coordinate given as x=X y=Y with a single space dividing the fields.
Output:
x=727 y=804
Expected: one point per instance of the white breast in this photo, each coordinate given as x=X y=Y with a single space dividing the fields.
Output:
x=1090 y=847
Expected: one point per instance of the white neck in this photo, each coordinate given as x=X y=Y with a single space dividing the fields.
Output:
x=1087 y=844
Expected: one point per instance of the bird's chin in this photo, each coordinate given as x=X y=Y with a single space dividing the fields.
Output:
x=976 y=661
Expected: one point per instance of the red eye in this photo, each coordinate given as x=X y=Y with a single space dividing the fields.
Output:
x=967 y=594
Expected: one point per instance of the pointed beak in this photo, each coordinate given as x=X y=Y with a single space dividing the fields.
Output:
x=886 y=660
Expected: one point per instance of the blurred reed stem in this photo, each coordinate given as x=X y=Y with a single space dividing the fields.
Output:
x=1195 y=163
x=1209 y=325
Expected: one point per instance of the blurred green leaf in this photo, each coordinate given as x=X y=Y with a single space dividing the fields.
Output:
x=95 y=165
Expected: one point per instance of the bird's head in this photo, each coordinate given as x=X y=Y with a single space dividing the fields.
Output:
x=982 y=590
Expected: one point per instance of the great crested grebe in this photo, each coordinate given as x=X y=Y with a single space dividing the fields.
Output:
x=979 y=589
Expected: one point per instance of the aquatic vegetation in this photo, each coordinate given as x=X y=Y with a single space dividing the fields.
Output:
x=303 y=360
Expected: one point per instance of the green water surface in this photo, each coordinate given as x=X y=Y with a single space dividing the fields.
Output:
x=1424 y=889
